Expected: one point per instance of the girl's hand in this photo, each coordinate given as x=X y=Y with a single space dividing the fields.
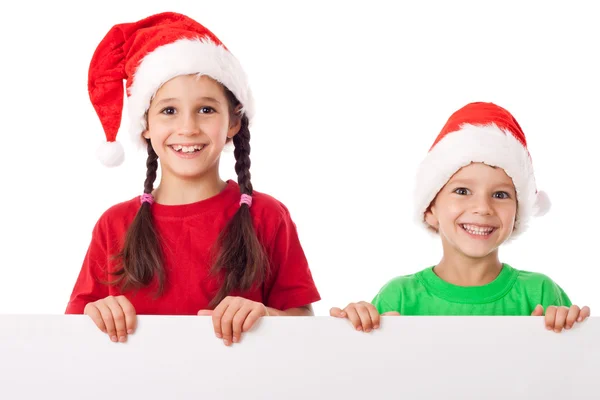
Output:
x=363 y=316
x=233 y=316
x=558 y=318
x=114 y=316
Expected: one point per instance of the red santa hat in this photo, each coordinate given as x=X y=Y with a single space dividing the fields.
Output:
x=146 y=54
x=486 y=133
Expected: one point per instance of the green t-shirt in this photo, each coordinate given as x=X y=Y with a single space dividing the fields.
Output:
x=513 y=292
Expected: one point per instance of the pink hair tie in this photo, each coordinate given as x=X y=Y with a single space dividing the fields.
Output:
x=147 y=198
x=246 y=199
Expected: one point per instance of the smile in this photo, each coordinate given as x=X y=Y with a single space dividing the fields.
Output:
x=187 y=149
x=478 y=230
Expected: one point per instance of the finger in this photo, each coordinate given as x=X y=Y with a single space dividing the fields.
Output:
x=108 y=320
x=353 y=317
x=217 y=315
x=572 y=315
x=130 y=315
x=538 y=311
x=227 y=322
x=561 y=318
x=337 y=312
x=92 y=311
x=205 y=312
x=374 y=314
x=238 y=322
x=365 y=317
x=251 y=319
x=585 y=312
x=119 y=318
x=550 y=317
x=391 y=313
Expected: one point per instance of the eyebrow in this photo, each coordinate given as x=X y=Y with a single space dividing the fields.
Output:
x=469 y=182
x=461 y=182
x=203 y=98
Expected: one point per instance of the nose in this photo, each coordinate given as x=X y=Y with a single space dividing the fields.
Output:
x=481 y=204
x=188 y=125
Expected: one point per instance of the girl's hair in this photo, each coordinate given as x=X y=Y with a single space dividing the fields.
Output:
x=238 y=253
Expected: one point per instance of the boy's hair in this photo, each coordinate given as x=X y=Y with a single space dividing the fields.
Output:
x=239 y=254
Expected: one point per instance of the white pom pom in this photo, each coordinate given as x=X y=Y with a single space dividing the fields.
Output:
x=111 y=154
x=542 y=204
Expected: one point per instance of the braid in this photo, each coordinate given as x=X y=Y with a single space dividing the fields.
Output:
x=241 y=256
x=141 y=257
x=241 y=142
x=152 y=167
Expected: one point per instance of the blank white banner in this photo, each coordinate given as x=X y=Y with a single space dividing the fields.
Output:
x=65 y=357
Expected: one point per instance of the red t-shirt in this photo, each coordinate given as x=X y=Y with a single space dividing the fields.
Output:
x=188 y=233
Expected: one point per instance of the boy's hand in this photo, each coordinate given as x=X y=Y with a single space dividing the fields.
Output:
x=558 y=318
x=363 y=316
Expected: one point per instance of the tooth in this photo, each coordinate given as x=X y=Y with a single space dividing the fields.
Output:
x=477 y=230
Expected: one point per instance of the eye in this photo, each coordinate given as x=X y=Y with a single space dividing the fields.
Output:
x=207 y=110
x=462 y=191
x=168 y=111
x=501 y=195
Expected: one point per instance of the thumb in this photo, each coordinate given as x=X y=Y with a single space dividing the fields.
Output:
x=392 y=313
x=538 y=311
x=337 y=312
x=205 y=312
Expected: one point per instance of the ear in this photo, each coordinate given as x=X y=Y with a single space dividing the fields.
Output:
x=431 y=218
x=146 y=134
x=235 y=123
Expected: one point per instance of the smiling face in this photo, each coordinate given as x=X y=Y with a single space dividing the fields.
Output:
x=189 y=122
x=475 y=211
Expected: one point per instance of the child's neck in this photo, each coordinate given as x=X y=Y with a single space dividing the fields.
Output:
x=176 y=191
x=461 y=270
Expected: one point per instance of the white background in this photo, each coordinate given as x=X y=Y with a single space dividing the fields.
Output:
x=350 y=95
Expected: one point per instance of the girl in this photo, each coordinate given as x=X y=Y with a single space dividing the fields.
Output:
x=476 y=189
x=194 y=244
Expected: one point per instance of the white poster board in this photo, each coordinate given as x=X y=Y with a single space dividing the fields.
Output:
x=66 y=357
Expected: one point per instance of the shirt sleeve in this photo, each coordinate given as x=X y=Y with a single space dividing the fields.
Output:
x=388 y=299
x=554 y=295
x=289 y=283
x=89 y=286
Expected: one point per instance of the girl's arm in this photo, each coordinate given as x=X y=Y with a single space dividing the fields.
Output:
x=90 y=285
